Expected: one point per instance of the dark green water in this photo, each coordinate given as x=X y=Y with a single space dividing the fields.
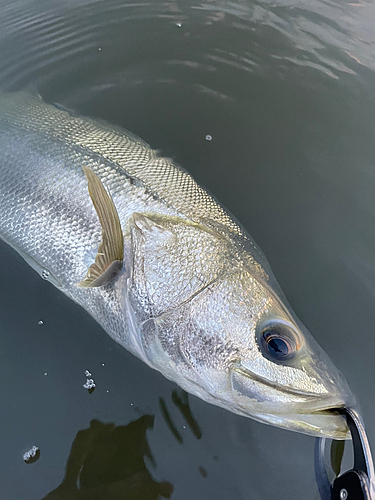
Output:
x=286 y=90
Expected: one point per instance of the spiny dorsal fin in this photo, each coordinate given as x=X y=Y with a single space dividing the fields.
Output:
x=108 y=260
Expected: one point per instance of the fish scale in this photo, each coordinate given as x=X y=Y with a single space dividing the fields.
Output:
x=171 y=183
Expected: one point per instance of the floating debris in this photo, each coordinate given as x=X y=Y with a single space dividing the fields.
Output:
x=208 y=137
x=87 y=373
x=90 y=385
x=202 y=471
x=32 y=455
x=103 y=364
x=40 y=322
x=179 y=25
x=45 y=374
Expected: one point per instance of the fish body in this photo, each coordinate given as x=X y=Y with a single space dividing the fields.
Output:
x=195 y=298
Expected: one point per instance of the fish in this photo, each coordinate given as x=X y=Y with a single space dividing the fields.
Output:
x=161 y=265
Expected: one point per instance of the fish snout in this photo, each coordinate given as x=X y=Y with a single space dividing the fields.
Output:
x=310 y=408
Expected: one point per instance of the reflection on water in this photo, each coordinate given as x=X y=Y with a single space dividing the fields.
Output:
x=337 y=454
x=180 y=399
x=168 y=420
x=108 y=462
x=332 y=38
x=112 y=462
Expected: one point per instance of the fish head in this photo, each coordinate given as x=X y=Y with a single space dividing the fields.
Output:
x=281 y=375
x=235 y=342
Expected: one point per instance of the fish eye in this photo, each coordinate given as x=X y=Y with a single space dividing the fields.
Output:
x=278 y=342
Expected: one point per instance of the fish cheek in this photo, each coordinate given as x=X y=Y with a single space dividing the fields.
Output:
x=256 y=397
x=160 y=339
x=200 y=356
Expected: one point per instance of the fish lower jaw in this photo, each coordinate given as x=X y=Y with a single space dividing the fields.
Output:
x=320 y=423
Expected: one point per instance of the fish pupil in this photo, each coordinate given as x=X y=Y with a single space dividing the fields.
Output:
x=278 y=347
x=278 y=343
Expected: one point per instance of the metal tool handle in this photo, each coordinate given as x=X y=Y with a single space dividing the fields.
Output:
x=357 y=483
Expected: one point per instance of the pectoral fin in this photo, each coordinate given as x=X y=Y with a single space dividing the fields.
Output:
x=108 y=260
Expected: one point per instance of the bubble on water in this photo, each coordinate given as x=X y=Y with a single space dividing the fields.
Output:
x=40 y=322
x=184 y=426
x=208 y=137
x=45 y=374
x=45 y=274
x=89 y=385
x=103 y=364
x=179 y=25
x=32 y=455
x=107 y=391
x=87 y=373
x=99 y=48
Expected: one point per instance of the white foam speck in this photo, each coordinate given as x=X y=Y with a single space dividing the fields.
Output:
x=90 y=384
x=28 y=455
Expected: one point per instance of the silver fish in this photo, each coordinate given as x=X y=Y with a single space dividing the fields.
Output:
x=161 y=265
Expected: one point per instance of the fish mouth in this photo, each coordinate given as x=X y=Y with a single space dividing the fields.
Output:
x=324 y=423
x=337 y=427
x=274 y=385
x=290 y=408
x=336 y=410
x=314 y=402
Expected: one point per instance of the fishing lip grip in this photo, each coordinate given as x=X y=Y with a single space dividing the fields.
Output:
x=357 y=483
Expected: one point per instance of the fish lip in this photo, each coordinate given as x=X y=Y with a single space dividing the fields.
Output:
x=327 y=423
x=330 y=410
x=245 y=371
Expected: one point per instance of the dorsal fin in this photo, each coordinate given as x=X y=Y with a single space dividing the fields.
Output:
x=108 y=260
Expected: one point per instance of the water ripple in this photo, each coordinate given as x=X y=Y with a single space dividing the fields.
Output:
x=335 y=39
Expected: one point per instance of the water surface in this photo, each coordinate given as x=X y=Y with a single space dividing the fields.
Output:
x=286 y=91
